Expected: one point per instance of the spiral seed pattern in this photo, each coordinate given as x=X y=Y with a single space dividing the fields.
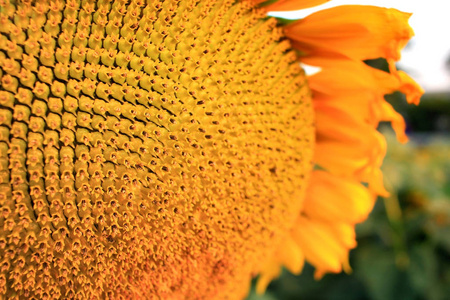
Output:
x=147 y=149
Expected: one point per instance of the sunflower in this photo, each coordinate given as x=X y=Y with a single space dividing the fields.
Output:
x=174 y=149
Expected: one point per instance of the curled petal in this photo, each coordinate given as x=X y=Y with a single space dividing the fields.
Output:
x=345 y=144
x=406 y=84
x=410 y=88
x=360 y=159
x=374 y=177
x=368 y=108
x=346 y=80
x=341 y=159
x=385 y=112
x=349 y=103
x=356 y=31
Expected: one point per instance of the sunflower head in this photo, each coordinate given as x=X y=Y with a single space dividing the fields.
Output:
x=164 y=149
x=147 y=148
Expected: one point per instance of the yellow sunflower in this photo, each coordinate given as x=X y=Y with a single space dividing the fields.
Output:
x=175 y=149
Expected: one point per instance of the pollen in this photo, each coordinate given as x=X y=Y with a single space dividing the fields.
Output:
x=147 y=149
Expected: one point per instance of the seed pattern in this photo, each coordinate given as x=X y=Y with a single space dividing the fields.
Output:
x=147 y=149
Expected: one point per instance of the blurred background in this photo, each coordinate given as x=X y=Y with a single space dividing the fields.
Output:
x=403 y=248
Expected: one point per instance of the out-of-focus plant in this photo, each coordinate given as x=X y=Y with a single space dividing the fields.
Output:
x=404 y=247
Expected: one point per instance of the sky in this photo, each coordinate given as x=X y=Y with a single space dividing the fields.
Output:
x=425 y=56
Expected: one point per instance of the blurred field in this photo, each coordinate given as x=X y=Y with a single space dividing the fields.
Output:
x=404 y=247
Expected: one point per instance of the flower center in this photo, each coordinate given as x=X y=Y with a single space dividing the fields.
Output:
x=146 y=149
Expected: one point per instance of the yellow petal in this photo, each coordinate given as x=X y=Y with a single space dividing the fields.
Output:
x=410 y=88
x=356 y=31
x=344 y=76
x=346 y=235
x=339 y=159
x=359 y=104
x=271 y=270
x=336 y=123
x=319 y=273
x=320 y=244
x=333 y=198
x=358 y=161
x=407 y=85
x=291 y=255
x=374 y=177
x=288 y=254
x=346 y=232
x=355 y=78
x=346 y=145
x=385 y=112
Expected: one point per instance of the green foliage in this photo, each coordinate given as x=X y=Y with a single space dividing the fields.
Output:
x=404 y=247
